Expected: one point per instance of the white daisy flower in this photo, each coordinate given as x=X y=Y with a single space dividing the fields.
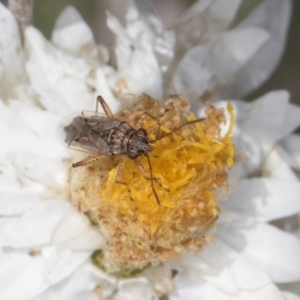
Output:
x=50 y=249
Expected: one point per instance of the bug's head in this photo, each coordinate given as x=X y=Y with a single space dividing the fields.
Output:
x=138 y=144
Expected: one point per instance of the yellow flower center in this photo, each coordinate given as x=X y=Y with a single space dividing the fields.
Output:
x=188 y=166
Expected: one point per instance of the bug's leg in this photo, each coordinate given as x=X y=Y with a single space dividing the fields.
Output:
x=142 y=118
x=179 y=127
x=141 y=168
x=119 y=174
x=86 y=161
x=144 y=173
x=104 y=106
x=152 y=128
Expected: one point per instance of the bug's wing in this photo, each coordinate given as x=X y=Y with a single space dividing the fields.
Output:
x=78 y=147
x=69 y=119
x=93 y=145
x=60 y=129
x=100 y=122
x=85 y=132
x=89 y=113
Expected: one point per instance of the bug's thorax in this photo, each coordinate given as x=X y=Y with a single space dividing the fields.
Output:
x=125 y=140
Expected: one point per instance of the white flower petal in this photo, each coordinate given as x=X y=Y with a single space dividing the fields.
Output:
x=243 y=44
x=194 y=10
x=271 y=249
x=291 y=287
x=144 y=25
x=103 y=89
x=15 y=135
x=24 y=276
x=274 y=17
x=205 y=291
x=261 y=124
x=12 y=186
x=263 y=198
x=160 y=277
x=138 y=69
x=48 y=172
x=90 y=239
x=9 y=122
x=41 y=123
x=16 y=201
x=249 y=282
x=259 y=67
x=275 y=166
x=27 y=142
x=61 y=263
x=208 y=292
x=146 y=9
x=222 y=13
x=33 y=116
x=228 y=216
x=269 y=119
x=73 y=35
x=209 y=67
x=71 y=294
x=218 y=258
x=250 y=153
x=193 y=77
x=291 y=145
x=164 y=48
x=48 y=68
x=74 y=231
x=35 y=227
x=83 y=284
x=134 y=289
x=11 y=55
x=290 y=296
x=21 y=276
x=139 y=18
x=204 y=19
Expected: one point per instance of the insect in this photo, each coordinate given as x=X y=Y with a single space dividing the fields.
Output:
x=103 y=134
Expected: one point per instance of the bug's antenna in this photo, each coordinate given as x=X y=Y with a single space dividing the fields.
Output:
x=169 y=133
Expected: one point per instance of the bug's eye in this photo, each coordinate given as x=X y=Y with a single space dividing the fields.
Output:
x=133 y=155
x=142 y=132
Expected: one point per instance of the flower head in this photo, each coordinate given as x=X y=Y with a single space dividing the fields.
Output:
x=187 y=168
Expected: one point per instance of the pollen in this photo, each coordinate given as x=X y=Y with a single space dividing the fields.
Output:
x=189 y=167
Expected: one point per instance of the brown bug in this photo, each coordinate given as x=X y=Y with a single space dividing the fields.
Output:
x=102 y=134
